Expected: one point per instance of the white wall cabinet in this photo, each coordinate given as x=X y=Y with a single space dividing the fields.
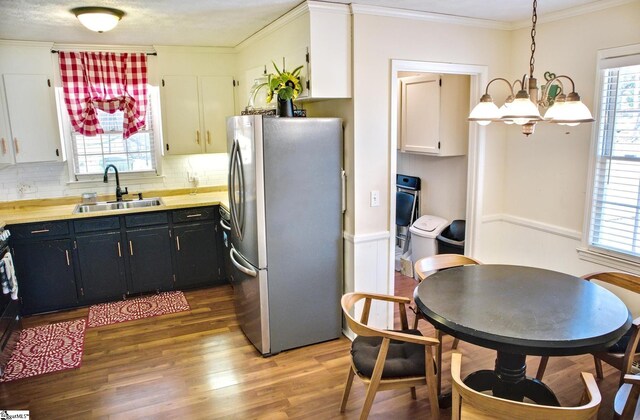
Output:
x=314 y=35
x=35 y=134
x=433 y=114
x=29 y=127
x=194 y=111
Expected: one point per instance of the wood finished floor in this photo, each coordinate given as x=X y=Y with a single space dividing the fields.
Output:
x=199 y=365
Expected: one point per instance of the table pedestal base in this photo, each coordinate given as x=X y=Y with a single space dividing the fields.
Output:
x=509 y=381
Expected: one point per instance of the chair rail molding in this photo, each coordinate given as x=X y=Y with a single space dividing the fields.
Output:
x=533 y=224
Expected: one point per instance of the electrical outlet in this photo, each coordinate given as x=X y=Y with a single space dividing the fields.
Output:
x=375 y=198
x=192 y=176
x=26 y=187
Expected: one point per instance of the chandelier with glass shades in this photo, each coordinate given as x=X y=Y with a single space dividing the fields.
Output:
x=523 y=107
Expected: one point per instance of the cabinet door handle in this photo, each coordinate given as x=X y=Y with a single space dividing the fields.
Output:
x=194 y=215
x=119 y=250
x=178 y=242
x=39 y=231
x=15 y=143
x=208 y=137
x=198 y=136
x=66 y=251
x=131 y=248
x=4 y=147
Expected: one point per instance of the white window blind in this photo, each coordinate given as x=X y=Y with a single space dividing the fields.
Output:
x=615 y=212
x=135 y=154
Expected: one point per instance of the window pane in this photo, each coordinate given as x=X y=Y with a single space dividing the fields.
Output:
x=615 y=219
x=136 y=153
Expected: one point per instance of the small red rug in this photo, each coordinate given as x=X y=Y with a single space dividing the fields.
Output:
x=137 y=308
x=46 y=349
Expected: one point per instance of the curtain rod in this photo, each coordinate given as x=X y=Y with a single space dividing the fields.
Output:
x=57 y=51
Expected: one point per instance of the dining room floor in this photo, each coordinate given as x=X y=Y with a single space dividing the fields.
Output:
x=198 y=364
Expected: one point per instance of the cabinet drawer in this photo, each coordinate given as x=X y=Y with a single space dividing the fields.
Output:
x=94 y=225
x=146 y=219
x=39 y=230
x=193 y=214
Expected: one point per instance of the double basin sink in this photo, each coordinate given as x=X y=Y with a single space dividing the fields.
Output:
x=117 y=205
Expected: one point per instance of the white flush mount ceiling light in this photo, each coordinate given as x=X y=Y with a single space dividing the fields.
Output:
x=523 y=107
x=98 y=19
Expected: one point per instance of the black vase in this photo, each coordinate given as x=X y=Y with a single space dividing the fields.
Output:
x=285 y=108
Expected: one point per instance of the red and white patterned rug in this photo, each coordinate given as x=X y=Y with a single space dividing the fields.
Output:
x=46 y=349
x=137 y=308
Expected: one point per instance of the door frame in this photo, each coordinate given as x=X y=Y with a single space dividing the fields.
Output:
x=476 y=158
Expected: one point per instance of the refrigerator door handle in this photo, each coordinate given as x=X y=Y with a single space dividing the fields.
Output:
x=249 y=271
x=343 y=176
x=231 y=180
x=240 y=209
x=233 y=171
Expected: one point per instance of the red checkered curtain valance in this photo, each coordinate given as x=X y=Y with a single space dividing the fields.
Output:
x=107 y=81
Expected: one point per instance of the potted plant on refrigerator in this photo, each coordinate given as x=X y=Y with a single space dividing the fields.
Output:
x=285 y=87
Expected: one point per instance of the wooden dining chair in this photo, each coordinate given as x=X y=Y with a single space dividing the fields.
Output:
x=468 y=403
x=386 y=359
x=425 y=267
x=625 y=354
x=625 y=404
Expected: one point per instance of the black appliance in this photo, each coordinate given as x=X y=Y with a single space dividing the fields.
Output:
x=10 y=322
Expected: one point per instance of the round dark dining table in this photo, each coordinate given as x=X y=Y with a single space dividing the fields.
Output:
x=520 y=311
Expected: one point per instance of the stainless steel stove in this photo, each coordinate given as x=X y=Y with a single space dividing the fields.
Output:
x=10 y=322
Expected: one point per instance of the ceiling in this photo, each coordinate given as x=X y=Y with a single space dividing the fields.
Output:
x=223 y=23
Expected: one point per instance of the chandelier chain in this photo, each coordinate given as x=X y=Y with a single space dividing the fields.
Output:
x=534 y=19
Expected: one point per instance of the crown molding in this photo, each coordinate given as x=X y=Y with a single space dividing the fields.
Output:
x=194 y=49
x=109 y=48
x=299 y=10
x=359 y=9
x=292 y=14
x=342 y=9
x=596 y=6
x=16 y=43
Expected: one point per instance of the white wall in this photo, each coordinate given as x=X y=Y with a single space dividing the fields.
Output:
x=545 y=175
x=444 y=183
x=376 y=41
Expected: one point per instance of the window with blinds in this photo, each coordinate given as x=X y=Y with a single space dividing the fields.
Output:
x=135 y=154
x=615 y=213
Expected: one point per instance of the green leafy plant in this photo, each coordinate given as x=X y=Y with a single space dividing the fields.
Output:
x=286 y=85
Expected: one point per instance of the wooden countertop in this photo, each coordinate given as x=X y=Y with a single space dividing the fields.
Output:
x=62 y=209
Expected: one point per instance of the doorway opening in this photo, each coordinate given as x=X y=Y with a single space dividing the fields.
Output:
x=421 y=144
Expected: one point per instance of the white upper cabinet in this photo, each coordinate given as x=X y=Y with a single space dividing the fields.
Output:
x=197 y=96
x=181 y=115
x=217 y=104
x=32 y=117
x=433 y=114
x=29 y=127
x=315 y=35
x=194 y=113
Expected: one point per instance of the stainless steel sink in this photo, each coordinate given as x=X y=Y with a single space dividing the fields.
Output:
x=118 y=205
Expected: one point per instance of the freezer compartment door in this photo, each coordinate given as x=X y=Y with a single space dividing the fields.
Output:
x=250 y=299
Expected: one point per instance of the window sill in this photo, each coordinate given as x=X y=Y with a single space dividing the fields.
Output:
x=137 y=178
x=627 y=265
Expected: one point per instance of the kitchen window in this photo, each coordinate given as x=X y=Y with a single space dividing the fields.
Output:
x=135 y=154
x=613 y=221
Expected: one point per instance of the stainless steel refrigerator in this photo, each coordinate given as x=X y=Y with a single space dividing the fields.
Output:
x=286 y=196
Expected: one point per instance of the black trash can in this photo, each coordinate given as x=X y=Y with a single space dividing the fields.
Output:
x=451 y=239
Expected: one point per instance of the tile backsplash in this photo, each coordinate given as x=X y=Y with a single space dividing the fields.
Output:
x=28 y=181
